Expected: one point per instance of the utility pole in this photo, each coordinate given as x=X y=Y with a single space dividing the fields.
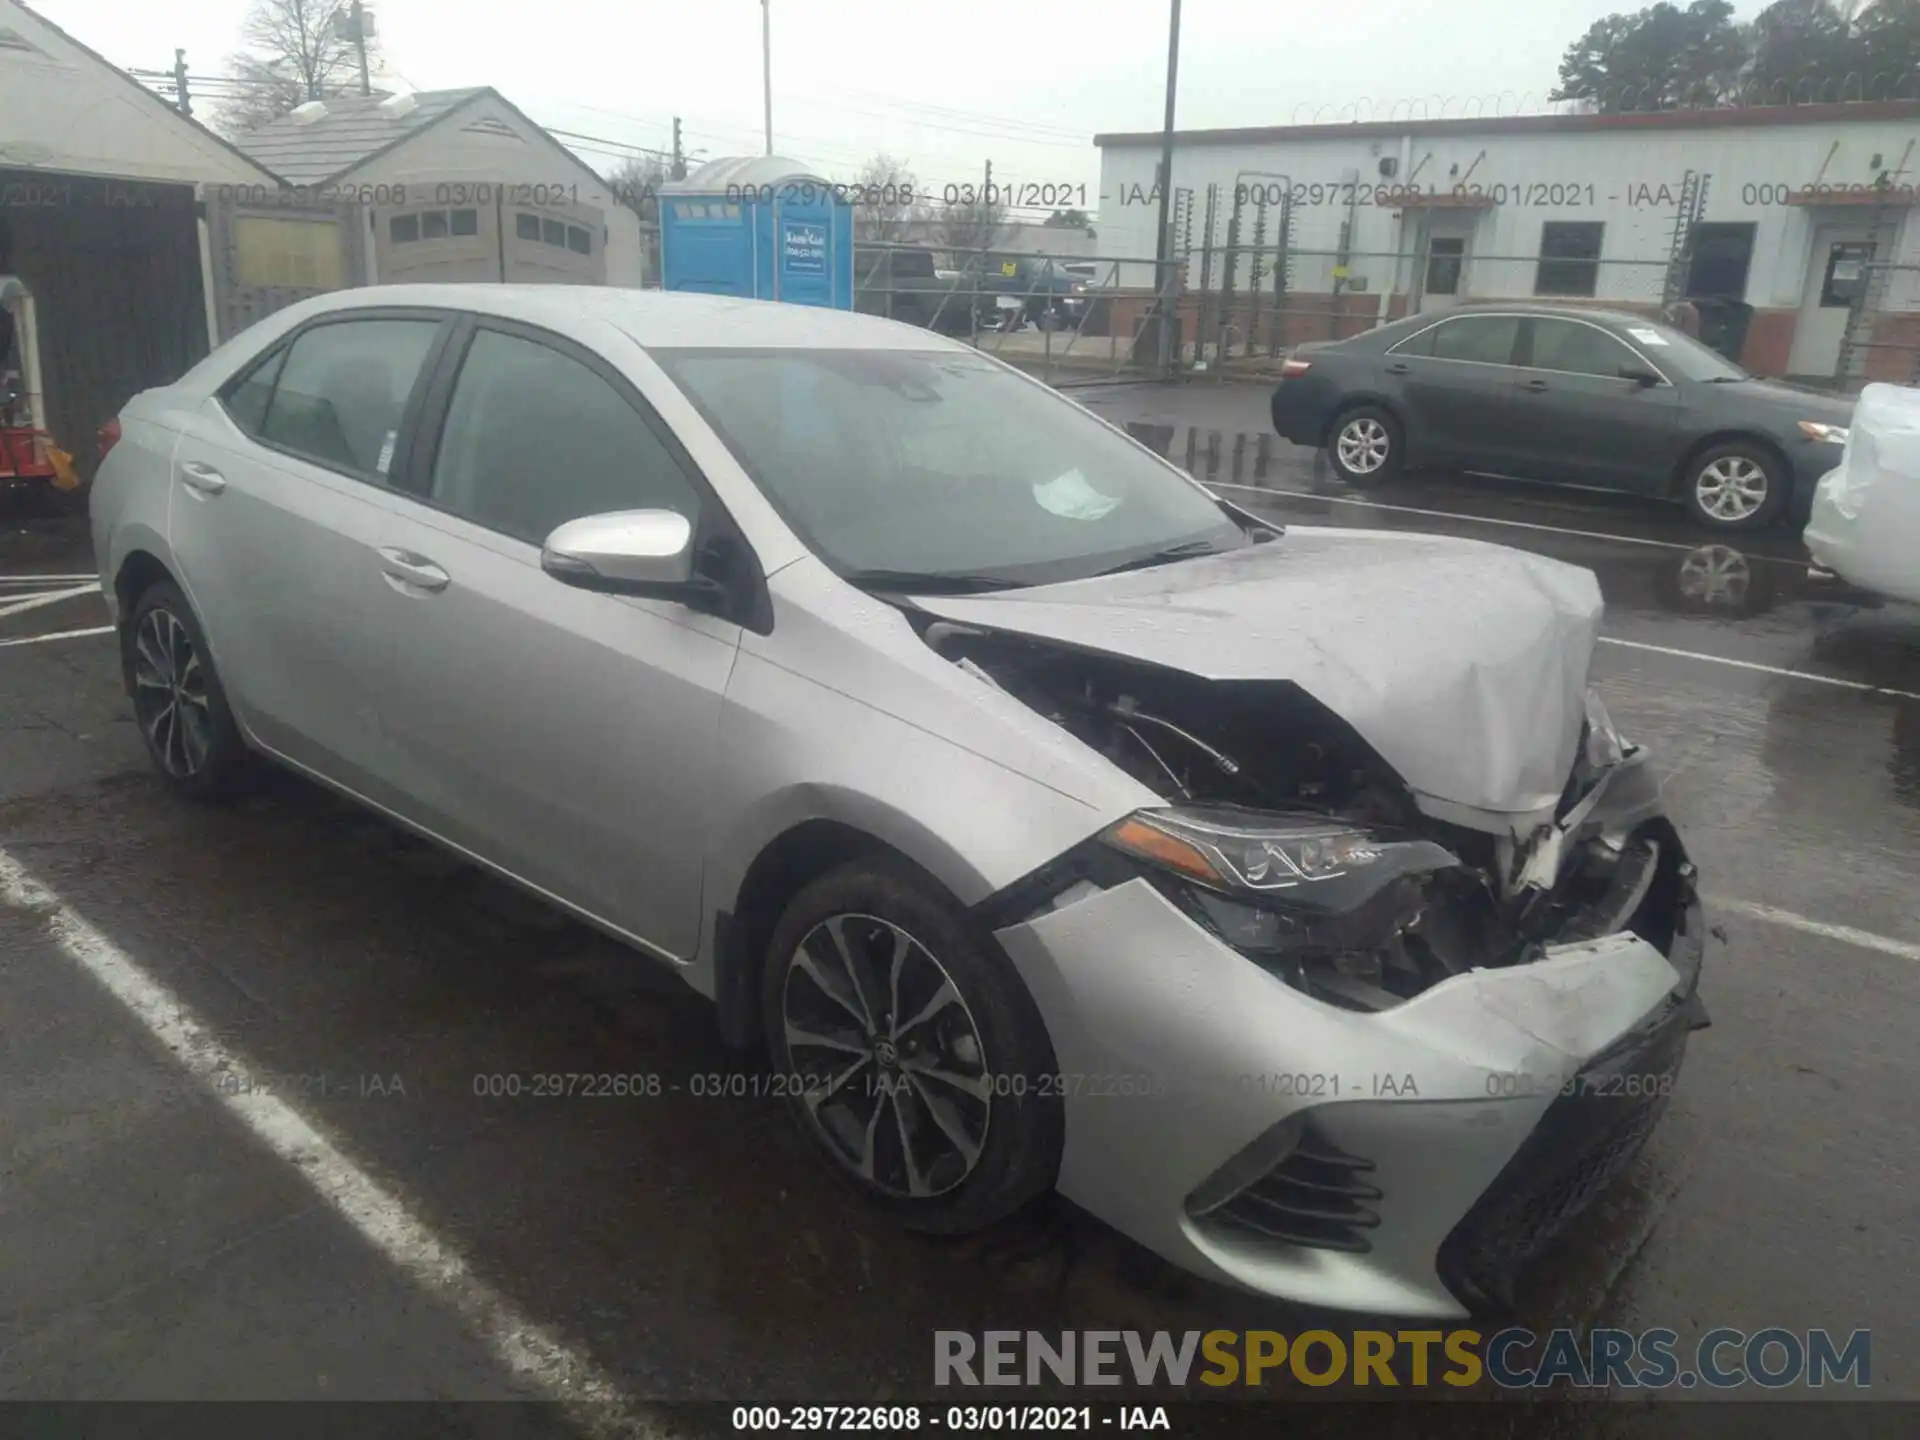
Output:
x=766 y=64
x=1162 y=269
x=679 y=171
x=355 y=24
x=180 y=82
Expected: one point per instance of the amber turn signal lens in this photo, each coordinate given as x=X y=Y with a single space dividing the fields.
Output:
x=1151 y=843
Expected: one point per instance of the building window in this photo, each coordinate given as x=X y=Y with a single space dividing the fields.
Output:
x=290 y=254
x=579 y=241
x=553 y=232
x=1569 y=258
x=525 y=226
x=1721 y=256
x=433 y=225
x=1445 y=256
x=1846 y=275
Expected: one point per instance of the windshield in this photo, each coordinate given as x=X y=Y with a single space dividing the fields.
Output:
x=1679 y=355
x=942 y=464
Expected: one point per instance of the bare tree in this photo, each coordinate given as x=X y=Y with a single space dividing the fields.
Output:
x=292 y=54
x=888 y=200
x=970 y=226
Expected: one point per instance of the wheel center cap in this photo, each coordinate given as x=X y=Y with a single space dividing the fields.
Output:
x=884 y=1052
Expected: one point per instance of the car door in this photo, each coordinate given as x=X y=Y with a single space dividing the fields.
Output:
x=1576 y=419
x=280 y=484
x=566 y=736
x=1455 y=380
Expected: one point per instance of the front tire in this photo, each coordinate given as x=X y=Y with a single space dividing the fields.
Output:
x=1366 y=447
x=178 y=700
x=926 y=1077
x=1735 y=487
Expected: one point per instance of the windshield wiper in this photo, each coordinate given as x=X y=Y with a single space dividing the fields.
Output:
x=1186 y=550
x=927 y=582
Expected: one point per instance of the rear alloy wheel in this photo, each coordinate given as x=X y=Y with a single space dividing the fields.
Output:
x=1734 y=487
x=177 y=699
x=909 y=1051
x=1365 y=448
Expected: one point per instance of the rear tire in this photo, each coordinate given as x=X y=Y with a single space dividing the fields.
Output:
x=178 y=700
x=1736 y=487
x=1366 y=447
x=924 y=1064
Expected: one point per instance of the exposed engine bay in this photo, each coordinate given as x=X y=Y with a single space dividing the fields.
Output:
x=1441 y=899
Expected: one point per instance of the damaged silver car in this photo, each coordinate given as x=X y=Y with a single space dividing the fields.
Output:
x=1284 y=898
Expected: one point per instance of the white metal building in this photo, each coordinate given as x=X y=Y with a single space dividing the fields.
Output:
x=1393 y=215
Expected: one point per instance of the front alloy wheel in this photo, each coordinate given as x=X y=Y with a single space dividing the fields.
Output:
x=1734 y=487
x=911 y=1053
x=170 y=694
x=897 y=1088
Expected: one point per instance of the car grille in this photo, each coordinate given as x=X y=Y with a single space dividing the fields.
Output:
x=1318 y=1196
x=1584 y=1141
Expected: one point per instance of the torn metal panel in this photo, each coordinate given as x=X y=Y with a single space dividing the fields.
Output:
x=1463 y=664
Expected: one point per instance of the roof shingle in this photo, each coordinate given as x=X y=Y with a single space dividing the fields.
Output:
x=352 y=128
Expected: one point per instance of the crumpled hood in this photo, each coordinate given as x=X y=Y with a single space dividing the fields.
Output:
x=1463 y=664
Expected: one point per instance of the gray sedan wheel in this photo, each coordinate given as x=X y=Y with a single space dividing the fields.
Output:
x=1737 y=486
x=178 y=701
x=1365 y=446
x=910 y=1053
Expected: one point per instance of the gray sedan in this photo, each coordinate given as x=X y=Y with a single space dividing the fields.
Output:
x=1049 y=821
x=1572 y=396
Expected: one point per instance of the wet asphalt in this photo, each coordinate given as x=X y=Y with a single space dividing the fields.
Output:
x=151 y=1248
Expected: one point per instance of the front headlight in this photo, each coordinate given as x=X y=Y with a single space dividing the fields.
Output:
x=1605 y=748
x=1832 y=434
x=1304 y=862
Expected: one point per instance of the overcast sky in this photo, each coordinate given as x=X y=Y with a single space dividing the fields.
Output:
x=1022 y=83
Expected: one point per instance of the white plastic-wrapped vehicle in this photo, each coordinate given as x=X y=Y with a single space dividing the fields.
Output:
x=1865 y=523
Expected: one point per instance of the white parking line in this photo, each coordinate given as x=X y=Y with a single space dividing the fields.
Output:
x=58 y=635
x=1845 y=934
x=74 y=579
x=1859 y=685
x=46 y=597
x=1475 y=519
x=534 y=1356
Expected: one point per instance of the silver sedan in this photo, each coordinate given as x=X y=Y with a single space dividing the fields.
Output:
x=1284 y=898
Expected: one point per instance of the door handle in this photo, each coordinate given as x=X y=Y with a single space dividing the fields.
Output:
x=1399 y=367
x=412 y=569
x=1534 y=385
x=204 y=478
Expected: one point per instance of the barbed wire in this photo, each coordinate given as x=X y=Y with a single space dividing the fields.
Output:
x=1855 y=87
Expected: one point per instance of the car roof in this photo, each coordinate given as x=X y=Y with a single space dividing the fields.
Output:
x=655 y=319
x=1526 y=307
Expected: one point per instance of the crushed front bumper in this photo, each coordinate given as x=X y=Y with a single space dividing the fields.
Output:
x=1402 y=1162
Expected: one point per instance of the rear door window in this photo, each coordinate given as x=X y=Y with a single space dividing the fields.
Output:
x=1485 y=339
x=342 y=391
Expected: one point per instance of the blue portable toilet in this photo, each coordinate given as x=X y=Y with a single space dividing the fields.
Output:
x=759 y=227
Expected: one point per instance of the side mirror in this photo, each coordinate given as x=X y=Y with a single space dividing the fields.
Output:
x=1639 y=374
x=626 y=552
